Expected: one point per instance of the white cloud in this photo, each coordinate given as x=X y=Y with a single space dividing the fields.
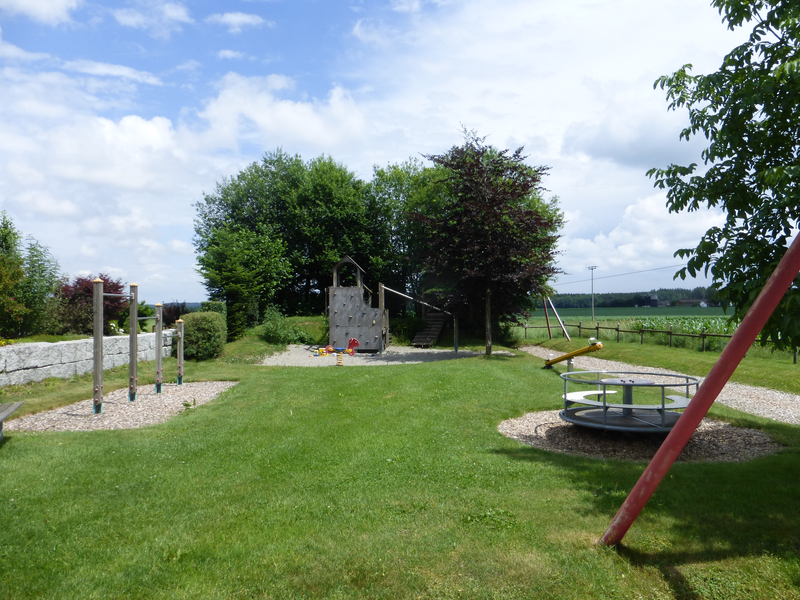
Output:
x=250 y=109
x=160 y=19
x=50 y=12
x=107 y=70
x=236 y=21
x=230 y=54
x=410 y=6
x=645 y=238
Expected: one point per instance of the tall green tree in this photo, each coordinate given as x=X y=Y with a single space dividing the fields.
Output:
x=395 y=240
x=748 y=111
x=315 y=209
x=242 y=268
x=29 y=283
x=491 y=239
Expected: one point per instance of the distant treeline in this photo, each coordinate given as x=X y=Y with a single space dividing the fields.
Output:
x=630 y=299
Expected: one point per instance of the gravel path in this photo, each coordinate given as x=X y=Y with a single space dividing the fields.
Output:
x=303 y=356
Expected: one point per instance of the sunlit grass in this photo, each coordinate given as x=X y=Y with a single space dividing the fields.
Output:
x=378 y=482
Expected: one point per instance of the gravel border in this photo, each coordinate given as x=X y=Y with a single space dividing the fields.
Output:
x=119 y=413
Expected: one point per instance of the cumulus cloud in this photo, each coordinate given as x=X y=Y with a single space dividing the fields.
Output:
x=236 y=21
x=50 y=12
x=645 y=238
x=230 y=54
x=251 y=109
x=160 y=19
x=90 y=67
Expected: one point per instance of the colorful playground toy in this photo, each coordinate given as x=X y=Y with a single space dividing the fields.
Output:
x=351 y=349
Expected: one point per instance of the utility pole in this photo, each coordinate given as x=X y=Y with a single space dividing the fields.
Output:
x=592 y=270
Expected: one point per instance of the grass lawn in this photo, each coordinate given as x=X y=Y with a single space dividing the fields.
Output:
x=378 y=482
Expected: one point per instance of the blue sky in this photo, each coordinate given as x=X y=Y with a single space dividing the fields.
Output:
x=117 y=116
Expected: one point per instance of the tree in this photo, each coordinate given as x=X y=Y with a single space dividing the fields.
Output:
x=244 y=269
x=316 y=210
x=749 y=113
x=38 y=290
x=77 y=308
x=491 y=238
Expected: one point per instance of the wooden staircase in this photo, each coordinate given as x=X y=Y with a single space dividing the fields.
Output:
x=434 y=323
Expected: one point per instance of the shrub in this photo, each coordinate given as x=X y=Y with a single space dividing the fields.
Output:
x=204 y=335
x=276 y=329
x=214 y=306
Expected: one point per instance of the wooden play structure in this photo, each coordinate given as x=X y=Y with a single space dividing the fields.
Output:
x=352 y=316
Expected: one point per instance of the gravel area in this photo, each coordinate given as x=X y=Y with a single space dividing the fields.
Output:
x=303 y=356
x=119 y=413
x=713 y=441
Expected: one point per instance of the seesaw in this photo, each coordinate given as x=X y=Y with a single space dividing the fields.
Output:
x=593 y=346
x=351 y=349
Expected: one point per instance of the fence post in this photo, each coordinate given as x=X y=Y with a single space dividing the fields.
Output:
x=179 y=325
x=618 y=333
x=97 y=309
x=642 y=341
x=580 y=327
x=159 y=347
x=795 y=356
x=597 y=335
x=133 y=336
x=703 y=337
x=670 y=336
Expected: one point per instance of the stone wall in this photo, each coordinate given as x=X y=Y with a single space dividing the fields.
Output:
x=24 y=363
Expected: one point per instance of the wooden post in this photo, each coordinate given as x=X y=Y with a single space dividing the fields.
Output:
x=97 y=306
x=703 y=336
x=670 y=336
x=642 y=341
x=618 y=333
x=455 y=332
x=180 y=327
x=488 y=324
x=133 y=336
x=580 y=328
x=382 y=308
x=159 y=347
x=597 y=335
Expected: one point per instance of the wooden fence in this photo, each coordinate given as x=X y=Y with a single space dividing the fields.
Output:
x=597 y=328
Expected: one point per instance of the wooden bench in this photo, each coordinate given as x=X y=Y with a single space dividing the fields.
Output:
x=580 y=398
x=6 y=410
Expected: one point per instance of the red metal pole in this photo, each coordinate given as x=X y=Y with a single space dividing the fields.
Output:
x=734 y=352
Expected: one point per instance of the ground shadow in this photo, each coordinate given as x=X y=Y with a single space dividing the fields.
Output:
x=721 y=510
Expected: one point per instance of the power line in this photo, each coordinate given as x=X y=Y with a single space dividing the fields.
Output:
x=620 y=275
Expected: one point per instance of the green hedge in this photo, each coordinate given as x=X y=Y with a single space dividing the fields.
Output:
x=276 y=329
x=205 y=334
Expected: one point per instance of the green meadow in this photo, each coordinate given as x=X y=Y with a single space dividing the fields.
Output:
x=378 y=482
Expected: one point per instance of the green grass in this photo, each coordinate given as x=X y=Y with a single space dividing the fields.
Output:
x=371 y=482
